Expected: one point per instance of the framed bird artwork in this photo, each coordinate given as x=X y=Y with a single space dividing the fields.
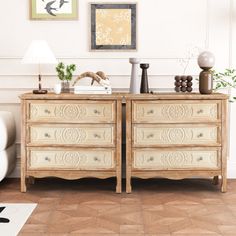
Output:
x=53 y=9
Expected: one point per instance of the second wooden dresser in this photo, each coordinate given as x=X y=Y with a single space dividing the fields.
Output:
x=71 y=136
x=176 y=136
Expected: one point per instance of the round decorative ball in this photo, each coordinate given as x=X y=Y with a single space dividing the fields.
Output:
x=189 y=84
x=183 y=78
x=183 y=89
x=177 y=78
x=189 y=89
x=183 y=84
x=189 y=78
x=177 y=89
x=177 y=83
x=206 y=59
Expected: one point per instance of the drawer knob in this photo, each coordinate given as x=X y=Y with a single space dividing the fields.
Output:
x=97 y=136
x=46 y=135
x=96 y=159
x=47 y=111
x=47 y=159
x=151 y=159
x=200 y=111
x=200 y=159
x=96 y=111
x=200 y=135
x=150 y=136
x=150 y=112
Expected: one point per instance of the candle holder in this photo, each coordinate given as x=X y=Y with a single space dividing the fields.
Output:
x=134 y=84
x=144 y=80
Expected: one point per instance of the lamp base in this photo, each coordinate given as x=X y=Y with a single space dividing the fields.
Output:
x=42 y=91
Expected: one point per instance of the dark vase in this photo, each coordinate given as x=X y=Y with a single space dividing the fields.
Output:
x=65 y=86
x=206 y=81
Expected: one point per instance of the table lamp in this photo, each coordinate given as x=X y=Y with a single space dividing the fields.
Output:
x=206 y=61
x=39 y=53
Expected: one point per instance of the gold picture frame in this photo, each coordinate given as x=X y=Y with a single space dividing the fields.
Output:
x=53 y=9
x=113 y=26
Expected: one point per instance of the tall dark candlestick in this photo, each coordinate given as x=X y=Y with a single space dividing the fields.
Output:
x=144 y=80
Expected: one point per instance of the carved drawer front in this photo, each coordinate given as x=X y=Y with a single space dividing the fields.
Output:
x=71 y=159
x=92 y=135
x=176 y=159
x=157 y=135
x=73 y=112
x=182 y=111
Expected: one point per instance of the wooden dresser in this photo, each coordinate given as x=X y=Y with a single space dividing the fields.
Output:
x=71 y=136
x=176 y=136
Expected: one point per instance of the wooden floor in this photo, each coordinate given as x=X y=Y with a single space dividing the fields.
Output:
x=90 y=207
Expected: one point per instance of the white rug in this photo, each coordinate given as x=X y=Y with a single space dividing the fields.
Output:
x=17 y=214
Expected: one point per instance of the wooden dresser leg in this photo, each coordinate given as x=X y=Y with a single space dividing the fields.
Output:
x=224 y=184
x=118 y=183
x=215 y=180
x=23 y=184
x=128 y=184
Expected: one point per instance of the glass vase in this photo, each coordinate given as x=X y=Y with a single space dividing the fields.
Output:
x=65 y=86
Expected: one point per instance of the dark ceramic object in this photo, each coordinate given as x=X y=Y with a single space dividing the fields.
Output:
x=144 y=80
x=206 y=81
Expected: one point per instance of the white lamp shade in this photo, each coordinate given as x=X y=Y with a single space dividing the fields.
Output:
x=206 y=59
x=39 y=53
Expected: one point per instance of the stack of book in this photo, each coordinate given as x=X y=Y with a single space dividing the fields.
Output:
x=92 y=90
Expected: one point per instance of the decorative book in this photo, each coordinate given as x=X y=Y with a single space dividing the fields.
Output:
x=92 y=90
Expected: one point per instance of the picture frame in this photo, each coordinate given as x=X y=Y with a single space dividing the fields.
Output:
x=113 y=26
x=53 y=9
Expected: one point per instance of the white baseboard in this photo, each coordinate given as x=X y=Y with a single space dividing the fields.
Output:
x=231 y=170
x=16 y=171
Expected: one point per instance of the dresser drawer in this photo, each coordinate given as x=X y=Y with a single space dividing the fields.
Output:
x=79 y=159
x=92 y=135
x=72 y=111
x=180 y=134
x=189 y=159
x=175 y=112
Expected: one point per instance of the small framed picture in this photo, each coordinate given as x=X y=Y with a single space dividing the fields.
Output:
x=53 y=9
x=113 y=26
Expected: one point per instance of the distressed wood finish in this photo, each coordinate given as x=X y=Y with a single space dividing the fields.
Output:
x=176 y=136
x=71 y=136
x=79 y=134
x=178 y=158
x=72 y=112
x=128 y=146
x=184 y=111
x=78 y=159
x=181 y=134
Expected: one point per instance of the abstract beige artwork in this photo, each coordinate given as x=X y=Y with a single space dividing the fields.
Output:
x=113 y=26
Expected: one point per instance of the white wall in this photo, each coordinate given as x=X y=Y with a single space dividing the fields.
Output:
x=167 y=31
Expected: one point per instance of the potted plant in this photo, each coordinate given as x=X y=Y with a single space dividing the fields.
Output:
x=65 y=74
x=225 y=81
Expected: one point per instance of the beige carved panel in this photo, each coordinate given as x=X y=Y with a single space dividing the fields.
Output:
x=182 y=134
x=165 y=112
x=93 y=135
x=79 y=112
x=176 y=159
x=71 y=159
